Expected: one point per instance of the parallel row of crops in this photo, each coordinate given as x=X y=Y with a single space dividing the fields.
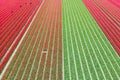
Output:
x=115 y=2
x=108 y=17
x=39 y=56
x=67 y=40
x=87 y=53
x=13 y=24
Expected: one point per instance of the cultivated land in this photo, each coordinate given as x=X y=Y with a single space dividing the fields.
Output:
x=13 y=24
x=108 y=18
x=115 y=2
x=87 y=53
x=39 y=56
x=66 y=40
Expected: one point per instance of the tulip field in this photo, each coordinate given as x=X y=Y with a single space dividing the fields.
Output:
x=60 y=40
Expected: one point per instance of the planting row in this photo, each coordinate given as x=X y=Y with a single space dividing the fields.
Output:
x=88 y=55
x=107 y=19
x=39 y=56
x=13 y=29
x=115 y=2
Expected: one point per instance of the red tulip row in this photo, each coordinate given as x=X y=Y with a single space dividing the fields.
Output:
x=7 y=7
x=107 y=19
x=115 y=2
x=13 y=28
